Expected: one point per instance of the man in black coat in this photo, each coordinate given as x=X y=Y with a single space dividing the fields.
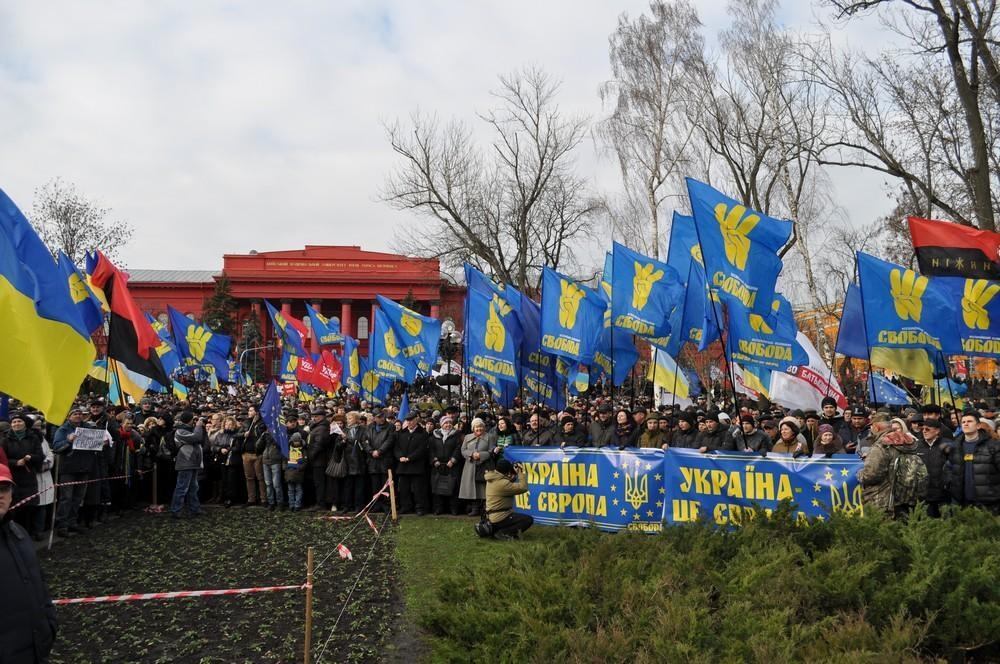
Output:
x=412 y=443
x=714 y=437
x=318 y=450
x=378 y=445
x=28 y=626
x=934 y=450
x=973 y=470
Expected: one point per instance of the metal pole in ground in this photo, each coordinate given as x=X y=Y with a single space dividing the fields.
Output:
x=55 y=503
x=392 y=499
x=309 y=606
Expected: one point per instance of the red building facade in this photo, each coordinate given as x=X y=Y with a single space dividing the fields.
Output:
x=340 y=281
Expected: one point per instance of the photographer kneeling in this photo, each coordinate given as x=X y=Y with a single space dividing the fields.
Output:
x=502 y=484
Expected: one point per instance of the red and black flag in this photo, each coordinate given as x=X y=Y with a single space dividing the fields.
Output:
x=131 y=339
x=945 y=249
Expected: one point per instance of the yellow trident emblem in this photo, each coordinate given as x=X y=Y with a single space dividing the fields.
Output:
x=636 y=487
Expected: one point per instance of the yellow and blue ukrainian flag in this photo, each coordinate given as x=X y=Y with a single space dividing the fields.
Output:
x=45 y=347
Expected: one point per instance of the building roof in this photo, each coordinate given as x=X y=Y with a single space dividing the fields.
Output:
x=172 y=276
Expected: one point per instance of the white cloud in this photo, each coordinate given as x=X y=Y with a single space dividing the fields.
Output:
x=218 y=127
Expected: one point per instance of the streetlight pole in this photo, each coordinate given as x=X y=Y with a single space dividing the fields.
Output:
x=247 y=350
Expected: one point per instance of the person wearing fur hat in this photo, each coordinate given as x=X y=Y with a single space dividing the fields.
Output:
x=476 y=452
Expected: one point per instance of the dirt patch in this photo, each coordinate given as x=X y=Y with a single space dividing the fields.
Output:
x=233 y=548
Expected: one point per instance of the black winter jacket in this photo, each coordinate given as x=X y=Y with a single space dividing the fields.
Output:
x=985 y=471
x=382 y=440
x=716 y=440
x=413 y=446
x=28 y=627
x=685 y=439
x=935 y=458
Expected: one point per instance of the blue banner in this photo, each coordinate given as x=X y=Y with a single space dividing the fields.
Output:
x=644 y=294
x=606 y=488
x=572 y=316
x=643 y=490
x=327 y=332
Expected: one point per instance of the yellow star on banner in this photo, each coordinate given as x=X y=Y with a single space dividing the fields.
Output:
x=817 y=488
x=821 y=518
x=624 y=512
x=649 y=513
x=659 y=503
x=614 y=501
x=662 y=490
x=798 y=489
x=815 y=503
x=657 y=477
x=843 y=471
x=614 y=488
x=616 y=475
x=828 y=475
x=649 y=467
x=635 y=517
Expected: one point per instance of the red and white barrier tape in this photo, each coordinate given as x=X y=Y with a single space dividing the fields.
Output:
x=380 y=493
x=27 y=500
x=180 y=594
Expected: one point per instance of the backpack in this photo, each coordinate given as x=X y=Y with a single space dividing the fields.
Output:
x=909 y=479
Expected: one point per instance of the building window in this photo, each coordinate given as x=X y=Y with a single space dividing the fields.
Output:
x=362 y=328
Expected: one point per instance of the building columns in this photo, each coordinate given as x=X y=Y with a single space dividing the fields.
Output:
x=313 y=336
x=345 y=319
x=435 y=309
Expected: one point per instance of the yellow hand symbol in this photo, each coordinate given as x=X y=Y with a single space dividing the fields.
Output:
x=390 y=343
x=759 y=324
x=370 y=381
x=978 y=294
x=696 y=254
x=77 y=289
x=735 y=232
x=642 y=284
x=496 y=334
x=197 y=340
x=569 y=303
x=411 y=324
x=906 y=288
x=353 y=364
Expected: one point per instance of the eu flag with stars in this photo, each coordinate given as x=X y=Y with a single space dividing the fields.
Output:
x=270 y=414
x=881 y=390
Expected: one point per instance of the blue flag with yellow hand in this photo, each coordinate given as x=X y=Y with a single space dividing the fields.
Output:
x=903 y=309
x=417 y=335
x=289 y=335
x=86 y=302
x=374 y=387
x=572 y=317
x=169 y=357
x=739 y=246
x=326 y=331
x=271 y=415
x=289 y=366
x=616 y=353
x=350 y=362
x=386 y=353
x=196 y=341
x=765 y=341
x=644 y=294
x=46 y=350
x=491 y=342
x=698 y=323
x=978 y=316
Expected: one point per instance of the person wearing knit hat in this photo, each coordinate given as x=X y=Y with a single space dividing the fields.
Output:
x=828 y=443
x=686 y=436
x=714 y=437
x=751 y=439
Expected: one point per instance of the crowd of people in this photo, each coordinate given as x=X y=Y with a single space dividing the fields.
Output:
x=215 y=447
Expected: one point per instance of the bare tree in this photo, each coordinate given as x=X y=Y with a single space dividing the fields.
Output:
x=510 y=210
x=648 y=127
x=925 y=115
x=67 y=221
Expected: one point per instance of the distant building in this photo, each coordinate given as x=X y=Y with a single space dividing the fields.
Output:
x=340 y=281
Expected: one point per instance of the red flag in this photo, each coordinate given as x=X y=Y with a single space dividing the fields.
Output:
x=299 y=326
x=131 y=339
x=331 y=370
x=305 y=371
x=945 y=249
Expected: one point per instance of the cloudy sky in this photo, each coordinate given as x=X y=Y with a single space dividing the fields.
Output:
x=220 y=127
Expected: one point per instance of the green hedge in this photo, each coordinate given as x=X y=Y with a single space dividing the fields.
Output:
x=850 y=589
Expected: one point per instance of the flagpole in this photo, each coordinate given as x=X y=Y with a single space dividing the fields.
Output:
x=864 y=316
x=947 y=378
x=836 y=343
